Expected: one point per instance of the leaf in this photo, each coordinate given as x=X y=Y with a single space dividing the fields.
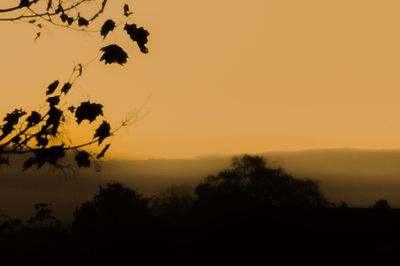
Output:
x=82 y=158
x=29 y=163
x=70 y=20
x=138 y=35
x=49 y=155
x=67 y=86
x=101 y=154
x=88 y=111
x=53 y=101
x=59 y=9
x=102 y=132
x=52 y=87
x=64 y=17
x=24 y=3
x=54 y=119
x=71 y=108
x=108 y=26
x=113 y=54
x=79 y=67
x=127 y=13
x=33 y=119
x=82 y=22
x=37 y=36
x=4 y=161
x=11 y=120
x=49 y=4
x=41 y=141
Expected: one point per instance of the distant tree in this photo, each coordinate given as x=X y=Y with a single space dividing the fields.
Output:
x=174 y=203
x=343 y=205
x=381 y=205
x=249 y=182
x=7 y=223
x=40 y=133
x=44 y=217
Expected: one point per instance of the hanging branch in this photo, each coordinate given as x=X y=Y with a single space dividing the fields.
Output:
x=40 y=133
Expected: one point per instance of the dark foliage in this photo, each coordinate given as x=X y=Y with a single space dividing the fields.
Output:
x=42 y=156
x=117 y=228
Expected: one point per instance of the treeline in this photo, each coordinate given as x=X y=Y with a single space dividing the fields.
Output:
x=249 y=214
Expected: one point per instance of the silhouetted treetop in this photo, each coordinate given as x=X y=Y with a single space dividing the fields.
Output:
x=250 y=181
x=115 y=208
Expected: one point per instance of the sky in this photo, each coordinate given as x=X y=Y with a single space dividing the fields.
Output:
x=226 y=77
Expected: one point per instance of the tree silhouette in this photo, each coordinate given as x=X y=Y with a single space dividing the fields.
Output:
x=251 y=183
x=40 y=133
x=116 y=225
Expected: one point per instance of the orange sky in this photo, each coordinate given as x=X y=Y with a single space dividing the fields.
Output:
x=228 y=77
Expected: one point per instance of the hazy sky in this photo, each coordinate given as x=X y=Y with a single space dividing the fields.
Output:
x=228 y=76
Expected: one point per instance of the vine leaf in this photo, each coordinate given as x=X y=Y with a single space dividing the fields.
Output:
x=64 y=17
x=49 y=5
x=52 y=87
x=127 y=12
x=113 y=54
x=33 y=119
x=103 y=151
x=82 y=22
x=82 y=158
x=29 y=163
x=54 y=119
x=24 y=3
x=102 y=132
x=67 y=86
x=138 y=35
x=88 y=111
x=50 y=155
x=53 y=101
x=71 y=108
x=11 y=120
x=108 y=26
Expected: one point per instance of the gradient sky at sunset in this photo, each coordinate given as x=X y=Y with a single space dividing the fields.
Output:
x=227 y=77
